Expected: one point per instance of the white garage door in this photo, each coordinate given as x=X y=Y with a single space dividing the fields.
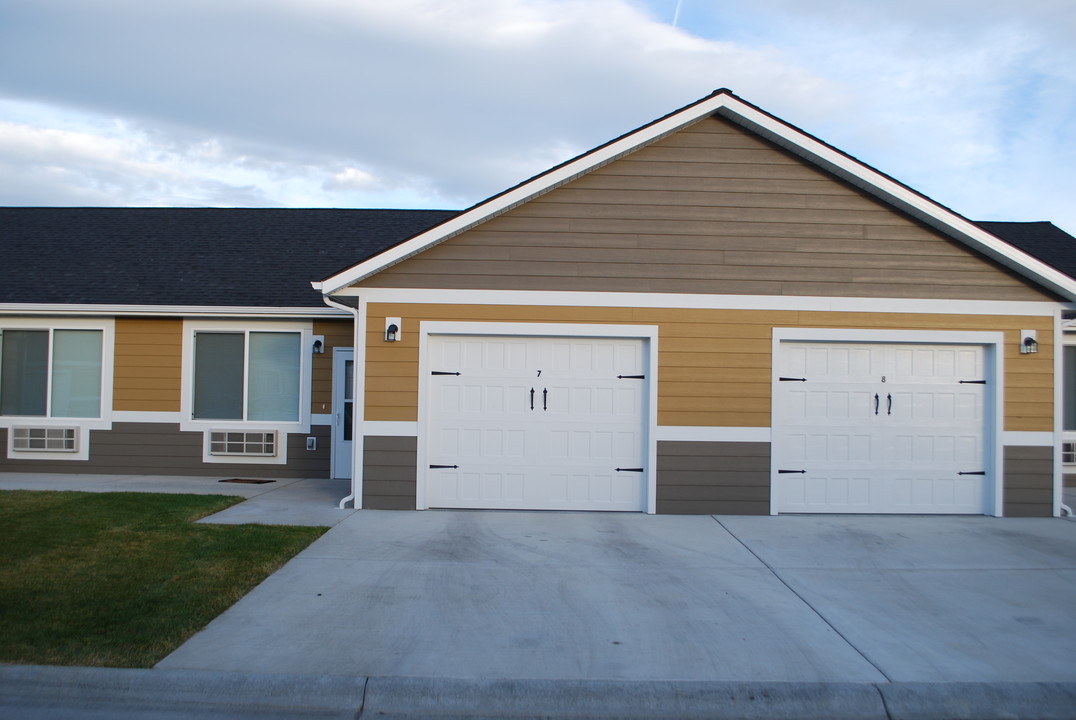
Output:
x=536 y=423
x=880 y=428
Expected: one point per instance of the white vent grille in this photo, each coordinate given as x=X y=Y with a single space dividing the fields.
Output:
x=239 y=442
x=1068 y=453
x=44 y=439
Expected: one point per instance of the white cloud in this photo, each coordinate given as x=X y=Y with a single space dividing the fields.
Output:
x=427 y=103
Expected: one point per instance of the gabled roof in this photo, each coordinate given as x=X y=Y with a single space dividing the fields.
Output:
x=725 y=104
x=188 y=256
x=1044 y=240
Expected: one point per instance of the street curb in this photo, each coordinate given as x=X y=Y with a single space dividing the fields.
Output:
x=39 y=692
x=979 y=700
x=178 y=693
x=443 y=699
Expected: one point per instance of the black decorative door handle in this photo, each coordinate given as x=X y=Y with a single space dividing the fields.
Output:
x=889 y=400
x=545 y=394
x=876 y=401
x=532 y=398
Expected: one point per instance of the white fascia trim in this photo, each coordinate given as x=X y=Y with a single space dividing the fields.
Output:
x=168 y=310
x=751 y=117
x=682 y=433
x=543 y=298
x=390 y=428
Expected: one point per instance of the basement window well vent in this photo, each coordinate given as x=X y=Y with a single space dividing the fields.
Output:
x=238 y=442
x=44 y=439
x=1068 y=453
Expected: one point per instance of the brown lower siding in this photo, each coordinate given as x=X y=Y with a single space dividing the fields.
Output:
x=389 y=472
x=163 y=449
x=713 y=478
x=1029 y=481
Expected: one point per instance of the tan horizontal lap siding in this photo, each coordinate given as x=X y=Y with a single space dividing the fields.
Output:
x=148 y=365
x=714 y=365
x=710 y=209
x=338 y=333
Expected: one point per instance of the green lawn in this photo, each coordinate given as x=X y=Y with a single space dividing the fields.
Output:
x=122 y=579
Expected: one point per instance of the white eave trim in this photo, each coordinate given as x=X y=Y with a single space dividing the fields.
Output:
x=168 y=310
x=742 y=113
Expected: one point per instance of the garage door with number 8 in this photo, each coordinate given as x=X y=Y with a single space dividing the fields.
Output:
x=536 y=423
x=880 y=428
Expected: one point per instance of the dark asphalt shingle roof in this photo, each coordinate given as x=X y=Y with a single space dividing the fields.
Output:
x=190 y=256
x=1043 y=240
x=250 y=256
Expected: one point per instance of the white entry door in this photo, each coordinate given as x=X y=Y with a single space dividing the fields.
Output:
x=343 y=410
x=881 y=428
x=536 y=423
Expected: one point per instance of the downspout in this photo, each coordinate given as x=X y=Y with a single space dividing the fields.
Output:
x=357 y=398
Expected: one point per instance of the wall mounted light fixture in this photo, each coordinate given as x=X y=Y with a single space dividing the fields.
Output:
x=393 y=329
x=319 y=344
x=1029 y=342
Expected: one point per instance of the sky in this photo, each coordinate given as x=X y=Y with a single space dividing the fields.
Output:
x=443 y=103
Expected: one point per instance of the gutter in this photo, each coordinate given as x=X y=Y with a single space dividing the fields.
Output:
x=230 y=311
x=356 y=398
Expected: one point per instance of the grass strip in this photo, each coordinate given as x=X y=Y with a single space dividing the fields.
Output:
x=122 y=579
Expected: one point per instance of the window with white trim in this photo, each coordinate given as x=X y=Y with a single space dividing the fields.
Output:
x=51 y=372
x=247 y=375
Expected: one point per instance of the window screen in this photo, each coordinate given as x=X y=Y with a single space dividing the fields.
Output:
x=24 y=380
x=218 y=376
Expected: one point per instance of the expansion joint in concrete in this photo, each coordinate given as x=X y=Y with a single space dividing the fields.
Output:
x=804 y=600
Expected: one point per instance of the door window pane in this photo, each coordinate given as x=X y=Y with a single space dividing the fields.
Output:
x=218 y=376
x=24 y=372
x=76 y=373
x=274 y=376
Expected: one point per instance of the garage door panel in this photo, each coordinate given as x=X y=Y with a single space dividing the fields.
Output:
x=880 y=428
x=540 y=423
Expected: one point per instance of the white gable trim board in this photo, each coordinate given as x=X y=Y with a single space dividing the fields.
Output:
x=727 y=105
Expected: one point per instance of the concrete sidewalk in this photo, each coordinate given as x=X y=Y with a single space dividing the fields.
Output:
x=284 y=501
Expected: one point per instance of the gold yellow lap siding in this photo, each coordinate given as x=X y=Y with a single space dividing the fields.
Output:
x=338 y=333
x=714 y=365
x=148 y=365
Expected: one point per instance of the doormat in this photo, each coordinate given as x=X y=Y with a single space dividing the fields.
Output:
x=247 y=481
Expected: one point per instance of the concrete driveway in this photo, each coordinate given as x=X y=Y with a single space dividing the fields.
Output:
x=584 y=596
